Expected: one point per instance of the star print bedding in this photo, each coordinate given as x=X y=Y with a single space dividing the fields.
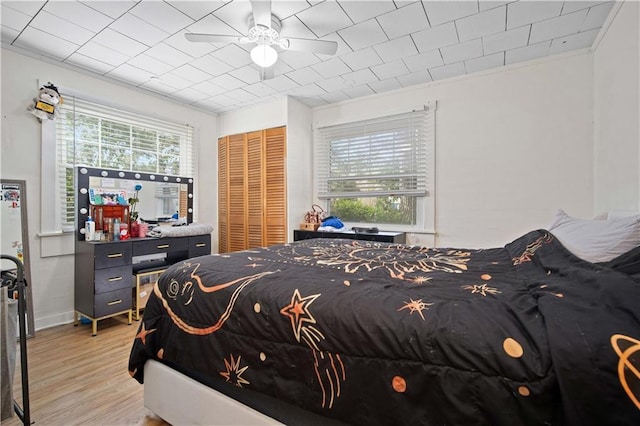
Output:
x=377 y=333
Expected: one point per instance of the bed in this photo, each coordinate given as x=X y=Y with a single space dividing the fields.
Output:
x=332 y=331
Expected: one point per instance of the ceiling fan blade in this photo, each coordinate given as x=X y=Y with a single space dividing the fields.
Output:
x=261 y=12
x=212 y=38
x=266 y=73
x=314 y=46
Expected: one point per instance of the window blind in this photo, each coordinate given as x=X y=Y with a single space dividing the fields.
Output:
x=95 y=135
x=378 y=157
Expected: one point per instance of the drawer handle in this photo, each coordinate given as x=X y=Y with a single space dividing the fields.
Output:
x=201 y=244
x=111 y=256
x=162 y=246
x=115 y=302
x=115 y=279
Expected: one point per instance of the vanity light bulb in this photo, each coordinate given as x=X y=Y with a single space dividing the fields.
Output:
x=178 y=179
x=190 y=195
x=166 y=178
x=83 y=171
x=152 y=177
x=121 y=174
x=83 y=190
x=137 y=175
x=190 y=210
x=83 y=211
x=105 y=173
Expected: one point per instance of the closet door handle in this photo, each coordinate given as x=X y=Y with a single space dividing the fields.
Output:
x=163 y=246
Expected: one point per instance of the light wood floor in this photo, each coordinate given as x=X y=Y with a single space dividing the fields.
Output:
x=76 y=379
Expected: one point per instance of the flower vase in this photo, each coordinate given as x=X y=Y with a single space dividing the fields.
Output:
x=135 y=229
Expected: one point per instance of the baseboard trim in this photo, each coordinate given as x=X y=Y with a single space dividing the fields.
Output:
x=53 y=320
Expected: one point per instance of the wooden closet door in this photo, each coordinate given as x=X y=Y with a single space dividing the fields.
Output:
x=275 y=181
x=255 y=189
x=237 y=192
x=223 y=195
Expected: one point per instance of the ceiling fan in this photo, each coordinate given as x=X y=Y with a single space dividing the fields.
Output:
x=264 y=32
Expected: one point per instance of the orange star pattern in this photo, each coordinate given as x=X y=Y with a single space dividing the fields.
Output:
x=416 y=306
x=298 y=311
x=142 y=335
x=234 y=372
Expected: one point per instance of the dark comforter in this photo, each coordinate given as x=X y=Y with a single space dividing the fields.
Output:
x=376 y=333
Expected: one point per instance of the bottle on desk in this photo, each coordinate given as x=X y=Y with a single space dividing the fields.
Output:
x=116 y=229
x=89 y=229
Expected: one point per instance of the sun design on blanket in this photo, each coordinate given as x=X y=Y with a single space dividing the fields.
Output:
x=328 y=367
x=182 y=290
x=233 y=373
x=628 y=350
x=531 y=249
x=397 y=260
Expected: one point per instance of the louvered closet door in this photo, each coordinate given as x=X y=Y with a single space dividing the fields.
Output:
x=255 y=190
x=275 y=186
x=237 y=183
x=223 y=194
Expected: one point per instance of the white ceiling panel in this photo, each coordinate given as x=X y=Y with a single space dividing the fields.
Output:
x=403 y=21
x=381 y=44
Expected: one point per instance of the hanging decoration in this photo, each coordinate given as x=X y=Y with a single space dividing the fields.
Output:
x=45 y=105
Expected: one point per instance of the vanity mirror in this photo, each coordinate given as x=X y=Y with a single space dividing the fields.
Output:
x=14 y=234
x=160 y=196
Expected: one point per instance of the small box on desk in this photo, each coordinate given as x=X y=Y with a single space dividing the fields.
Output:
x=309 y=226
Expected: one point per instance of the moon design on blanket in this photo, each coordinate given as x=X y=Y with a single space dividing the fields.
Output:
x=398 y=260
x=183 y=292
x=628 y=350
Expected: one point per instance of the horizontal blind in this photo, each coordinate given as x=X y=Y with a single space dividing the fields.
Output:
x=378 y=157
x=95 y=135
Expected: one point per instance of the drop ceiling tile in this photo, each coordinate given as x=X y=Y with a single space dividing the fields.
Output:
x=422 y=61
x=233 y=55
x=482 y=24
x=156 y=85
x=572 y=42
x=306 y=91
x=223 y=100
x=8 y=35
x=79 y=14
x=294 y=28
x=385 y=85
x=527 y=12
x=331 y=68
x=211 y=65
x=250 y=74
x=165 y=53
x=510 y=39
x=209 y=88
x=342 y=46
x=281 y=68
x=573 y=6
x=360 y=11
x=403 y=21
x=333 y=84
x=285 y=9
x=356 y=78
x=174 y=80
x=358 y=91
x=113 y=9
x=150 y=64
x=395 y=49
x=88 y=63
x=191 y=73
x=13 y=19
x=36 y=40
x=58 y=27
x=463 y=51
x=485 y=62
x=120 y=42
x=260 y=89
x=557 y=27
x=190 y=95
x=102 y=53
x=324 y=18
x=436 y=37
x=363 y=35
x=196 y=9
x=211 y=24
x=527 y=53
x=193 y=49
x=312 y=102
x=596 y=16
x=138 y=29
x=296 y=59
x=235 y=14
x=226 y=81
x=440 y=12
x=390 y=69
x=281 y=83
x=241 y=95
x=490 y=4
x=161 y=15
x=304 y=76
x=27 y=7
x=209 y=104
x=361 y=59
x=448 y=71
x=414 y=78
x=335 y=97
x=128 y=72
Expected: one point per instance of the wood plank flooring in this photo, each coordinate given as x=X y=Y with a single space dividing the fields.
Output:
x=77 y=379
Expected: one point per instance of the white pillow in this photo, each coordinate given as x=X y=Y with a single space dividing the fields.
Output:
x=596 y=240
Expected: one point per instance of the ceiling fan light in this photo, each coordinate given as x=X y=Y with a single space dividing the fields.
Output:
x=264 y=55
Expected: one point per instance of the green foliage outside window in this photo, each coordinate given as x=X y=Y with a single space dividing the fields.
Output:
x=380 y=210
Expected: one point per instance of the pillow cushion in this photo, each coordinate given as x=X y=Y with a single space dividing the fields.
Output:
x=628 y=263
x=596 y=240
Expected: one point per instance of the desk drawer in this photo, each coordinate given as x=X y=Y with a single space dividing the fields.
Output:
x=112 y=302
x=113 y=254
x=199 y=245
x=113 y=279
x=160 y=245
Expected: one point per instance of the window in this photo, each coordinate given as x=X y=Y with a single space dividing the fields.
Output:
x=93 y=135
x=378 y=171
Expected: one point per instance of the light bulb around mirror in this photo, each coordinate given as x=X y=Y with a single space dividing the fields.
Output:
x=264 y=55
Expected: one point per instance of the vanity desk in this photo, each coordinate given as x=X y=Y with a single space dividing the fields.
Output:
x=109 y=275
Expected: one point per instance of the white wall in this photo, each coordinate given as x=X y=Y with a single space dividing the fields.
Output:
x=616 y=67
x=512 y=146
x=52 y=277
